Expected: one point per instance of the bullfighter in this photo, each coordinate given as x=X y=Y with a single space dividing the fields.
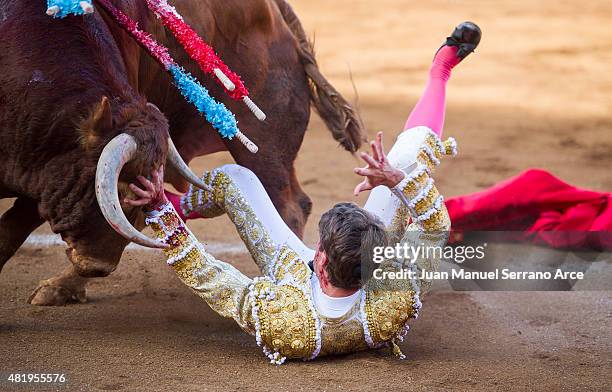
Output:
x=315 y=302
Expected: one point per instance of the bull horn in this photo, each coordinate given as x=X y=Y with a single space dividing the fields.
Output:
x=174 y=158
x=115 y=155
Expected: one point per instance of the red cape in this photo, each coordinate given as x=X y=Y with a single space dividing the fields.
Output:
x=541 y=208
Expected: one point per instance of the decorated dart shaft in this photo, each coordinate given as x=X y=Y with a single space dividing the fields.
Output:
x=203 y=54
x=197 y=49
x=215 y=112
x=63 y=8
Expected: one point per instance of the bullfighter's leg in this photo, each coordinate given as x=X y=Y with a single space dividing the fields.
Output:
x=238 y=193
x=88 y=260
x=431 y=107
x=274 y=166
x=16 y=224
x=428 y=113
x=277 y=175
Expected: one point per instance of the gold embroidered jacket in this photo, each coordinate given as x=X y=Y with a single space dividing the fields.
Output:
x=278 y=307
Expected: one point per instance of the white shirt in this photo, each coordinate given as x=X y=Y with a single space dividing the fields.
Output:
x=331 y=307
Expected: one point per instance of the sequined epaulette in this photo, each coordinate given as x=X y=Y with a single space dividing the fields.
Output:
x=286 y=324
x=386 y=314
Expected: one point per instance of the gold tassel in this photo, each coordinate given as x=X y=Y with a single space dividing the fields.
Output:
x=397 y=351
x=450 y=146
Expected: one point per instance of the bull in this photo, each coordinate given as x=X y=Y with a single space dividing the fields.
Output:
x=77 y=114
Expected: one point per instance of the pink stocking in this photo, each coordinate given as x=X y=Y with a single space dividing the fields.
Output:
x=429 y=111
x=176 y=202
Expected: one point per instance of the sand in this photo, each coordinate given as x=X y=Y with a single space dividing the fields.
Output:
x=536 y=94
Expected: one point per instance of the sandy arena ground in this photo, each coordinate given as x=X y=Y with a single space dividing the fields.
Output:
x=537 y=94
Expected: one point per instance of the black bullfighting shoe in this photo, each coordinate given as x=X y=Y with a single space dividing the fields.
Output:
x=466 y=37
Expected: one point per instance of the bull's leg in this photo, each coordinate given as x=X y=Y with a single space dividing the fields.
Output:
x=68 y=287
x=16 y=224
x=97 y=256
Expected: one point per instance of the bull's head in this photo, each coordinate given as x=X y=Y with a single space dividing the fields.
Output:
x=134 y=146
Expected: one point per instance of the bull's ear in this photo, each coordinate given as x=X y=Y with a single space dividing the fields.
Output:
x=97 y=124
x=102 y=116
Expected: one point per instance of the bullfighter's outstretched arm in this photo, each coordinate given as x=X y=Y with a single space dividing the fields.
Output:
x=223 y=287
x=413 y=211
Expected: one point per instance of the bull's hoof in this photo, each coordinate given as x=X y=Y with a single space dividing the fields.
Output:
x=49 y=295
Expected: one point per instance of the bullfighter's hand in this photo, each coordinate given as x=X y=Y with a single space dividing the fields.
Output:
x=378 y=170
x=152 y=196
